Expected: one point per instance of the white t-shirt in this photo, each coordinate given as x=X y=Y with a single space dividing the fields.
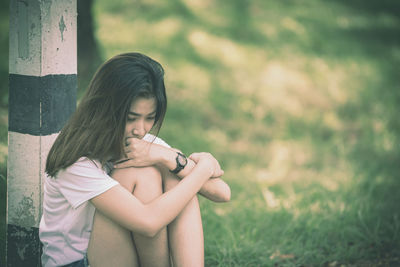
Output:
x=67 y=218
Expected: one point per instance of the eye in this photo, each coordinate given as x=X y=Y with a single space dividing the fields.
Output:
x=151 y=118
x=131 y=119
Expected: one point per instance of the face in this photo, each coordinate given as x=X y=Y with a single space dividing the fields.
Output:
x=141 y=117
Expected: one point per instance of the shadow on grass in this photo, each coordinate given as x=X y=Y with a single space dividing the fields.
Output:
x=390 y=7
x=376 y=155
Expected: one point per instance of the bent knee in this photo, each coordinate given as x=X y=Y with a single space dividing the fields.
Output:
x=130 y=178
x=147 y=176
x=148 y=184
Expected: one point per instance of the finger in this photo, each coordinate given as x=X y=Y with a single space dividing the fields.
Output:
x=130 y=140
x=123 y=164
x=195 y=157
x=217 y=166
x=218 y=173
x=120 y=160
x=127 y=152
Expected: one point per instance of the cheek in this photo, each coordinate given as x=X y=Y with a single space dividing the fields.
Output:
x=149 y=125
x=128 y=128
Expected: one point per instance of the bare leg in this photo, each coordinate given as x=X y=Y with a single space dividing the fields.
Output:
x=185 y=233
x=112 y=245
x=152 y=251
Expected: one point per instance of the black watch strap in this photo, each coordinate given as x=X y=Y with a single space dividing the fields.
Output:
x=181 y=162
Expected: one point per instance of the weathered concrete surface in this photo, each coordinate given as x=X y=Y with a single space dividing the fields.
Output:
x=23 y=250
x=26 y=165
x=42 y=45
x=23 y=181
x=59 y=44
x=44 y=37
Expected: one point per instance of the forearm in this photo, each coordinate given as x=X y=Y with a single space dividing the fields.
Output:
x=169 y=161
x=214 y=189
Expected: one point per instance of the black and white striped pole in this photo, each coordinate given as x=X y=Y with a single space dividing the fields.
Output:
x=42 y=96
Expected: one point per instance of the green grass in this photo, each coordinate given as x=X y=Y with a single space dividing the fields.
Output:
x=299 y=100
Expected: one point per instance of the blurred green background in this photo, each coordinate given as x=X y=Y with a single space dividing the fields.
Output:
x=300 y=102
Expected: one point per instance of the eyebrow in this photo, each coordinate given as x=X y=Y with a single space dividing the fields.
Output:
x=137 y=114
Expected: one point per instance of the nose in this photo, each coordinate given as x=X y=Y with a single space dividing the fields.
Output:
x=138 y=130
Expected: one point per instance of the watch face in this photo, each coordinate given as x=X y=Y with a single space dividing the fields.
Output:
x=182 y=160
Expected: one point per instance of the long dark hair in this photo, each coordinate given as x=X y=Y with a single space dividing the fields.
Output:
x=96 y=129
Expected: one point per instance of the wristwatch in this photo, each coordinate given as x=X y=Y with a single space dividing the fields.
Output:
x=181 y=162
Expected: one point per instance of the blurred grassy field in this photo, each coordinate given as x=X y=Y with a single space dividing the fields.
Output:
x=300 y=102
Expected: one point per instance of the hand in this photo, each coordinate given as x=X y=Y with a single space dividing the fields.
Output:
x=207 y=161
x=139 y=153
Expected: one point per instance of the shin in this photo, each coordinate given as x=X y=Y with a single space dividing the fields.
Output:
x=152 y=251
x=185 y=233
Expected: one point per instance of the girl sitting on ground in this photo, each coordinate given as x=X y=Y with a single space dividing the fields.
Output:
x=116 y=195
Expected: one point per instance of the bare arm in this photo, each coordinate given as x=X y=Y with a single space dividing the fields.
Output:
x=214 y=189
x=143 y=153
x=121 y=206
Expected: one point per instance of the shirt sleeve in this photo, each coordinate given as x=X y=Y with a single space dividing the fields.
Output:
x=82 y=181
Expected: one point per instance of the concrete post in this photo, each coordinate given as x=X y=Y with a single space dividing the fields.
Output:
x=42 y=96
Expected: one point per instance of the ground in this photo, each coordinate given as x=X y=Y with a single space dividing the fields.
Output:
x=298 y=100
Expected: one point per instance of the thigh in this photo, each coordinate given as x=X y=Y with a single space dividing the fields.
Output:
x=110 y=244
